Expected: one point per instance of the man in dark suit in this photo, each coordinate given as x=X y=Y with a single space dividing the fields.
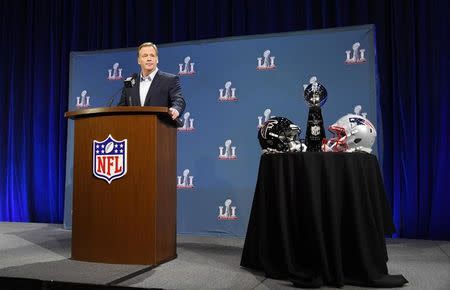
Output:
x=154 y=87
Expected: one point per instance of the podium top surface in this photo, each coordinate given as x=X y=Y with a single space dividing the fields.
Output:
x=115 y=111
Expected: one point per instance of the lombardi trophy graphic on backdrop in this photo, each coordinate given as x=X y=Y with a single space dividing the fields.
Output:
x=266 y=62
x=229 y=153
x=187 y=68
x=83 y=100
x=115 y=73
x=228 y=94
x=185 y=181
x=263 y=119
x=188 y=123
x=358 y=54
x=227 y=213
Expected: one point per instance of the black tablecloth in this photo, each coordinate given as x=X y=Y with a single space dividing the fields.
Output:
x=320 y=219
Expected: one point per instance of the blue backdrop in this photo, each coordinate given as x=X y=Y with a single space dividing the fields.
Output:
x=413 y=53
x=230 y=86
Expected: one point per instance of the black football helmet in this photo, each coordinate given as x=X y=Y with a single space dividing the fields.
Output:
x=279 y=134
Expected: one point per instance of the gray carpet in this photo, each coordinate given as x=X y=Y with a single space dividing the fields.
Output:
x=42 y=251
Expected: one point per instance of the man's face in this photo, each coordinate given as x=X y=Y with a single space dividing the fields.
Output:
x=147 y=59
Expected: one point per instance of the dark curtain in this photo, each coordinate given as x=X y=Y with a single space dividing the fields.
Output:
x=413 y=53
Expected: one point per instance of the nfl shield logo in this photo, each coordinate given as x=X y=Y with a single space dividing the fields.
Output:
x=315 y=130
x=109 y=159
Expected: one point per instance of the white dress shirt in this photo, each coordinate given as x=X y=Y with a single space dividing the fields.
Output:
x=144 y=85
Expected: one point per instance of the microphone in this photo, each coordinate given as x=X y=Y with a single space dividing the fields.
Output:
x=112 y=97
x=129 y=82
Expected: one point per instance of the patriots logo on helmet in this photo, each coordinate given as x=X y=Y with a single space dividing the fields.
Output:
x=354 y=121
x=109 y=159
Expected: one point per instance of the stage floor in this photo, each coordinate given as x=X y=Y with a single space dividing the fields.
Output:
x=42 y=251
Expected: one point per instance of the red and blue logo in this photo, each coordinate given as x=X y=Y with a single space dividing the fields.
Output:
x=109 y=159
x=360 y=121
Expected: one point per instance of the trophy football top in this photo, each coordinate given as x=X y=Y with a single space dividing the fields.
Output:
x=315 y=94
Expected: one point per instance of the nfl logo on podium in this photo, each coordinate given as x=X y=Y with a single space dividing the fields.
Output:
x=109 y=159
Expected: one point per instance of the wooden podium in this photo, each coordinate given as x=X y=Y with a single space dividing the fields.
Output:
x=133 y=219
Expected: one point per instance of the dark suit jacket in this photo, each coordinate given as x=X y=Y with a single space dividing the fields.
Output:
x=165 y=91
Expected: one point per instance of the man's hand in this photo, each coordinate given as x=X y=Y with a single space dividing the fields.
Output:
x=173 y=113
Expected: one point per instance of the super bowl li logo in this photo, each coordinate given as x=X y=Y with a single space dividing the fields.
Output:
x=267 y=62
x=356 y=55
x=227 y=94
x=227 y=212
x=115 y=73
x=229 y=153
x=186 y=181
x=83 y=100
x=186 y=68
x=266 y=116
x=188 y=123
x=109 y=159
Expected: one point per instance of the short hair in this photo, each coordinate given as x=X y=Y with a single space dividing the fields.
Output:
x=151 y=44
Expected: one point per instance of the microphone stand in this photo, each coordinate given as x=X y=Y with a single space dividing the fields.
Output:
x=113 y=96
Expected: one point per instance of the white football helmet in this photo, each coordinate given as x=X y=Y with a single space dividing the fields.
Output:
x=352 y=132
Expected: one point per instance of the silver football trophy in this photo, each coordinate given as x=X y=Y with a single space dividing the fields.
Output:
x=315 y=95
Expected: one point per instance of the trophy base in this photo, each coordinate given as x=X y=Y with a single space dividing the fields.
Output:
x=315 y=131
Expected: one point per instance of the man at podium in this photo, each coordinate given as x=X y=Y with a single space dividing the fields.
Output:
x=152 y=87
